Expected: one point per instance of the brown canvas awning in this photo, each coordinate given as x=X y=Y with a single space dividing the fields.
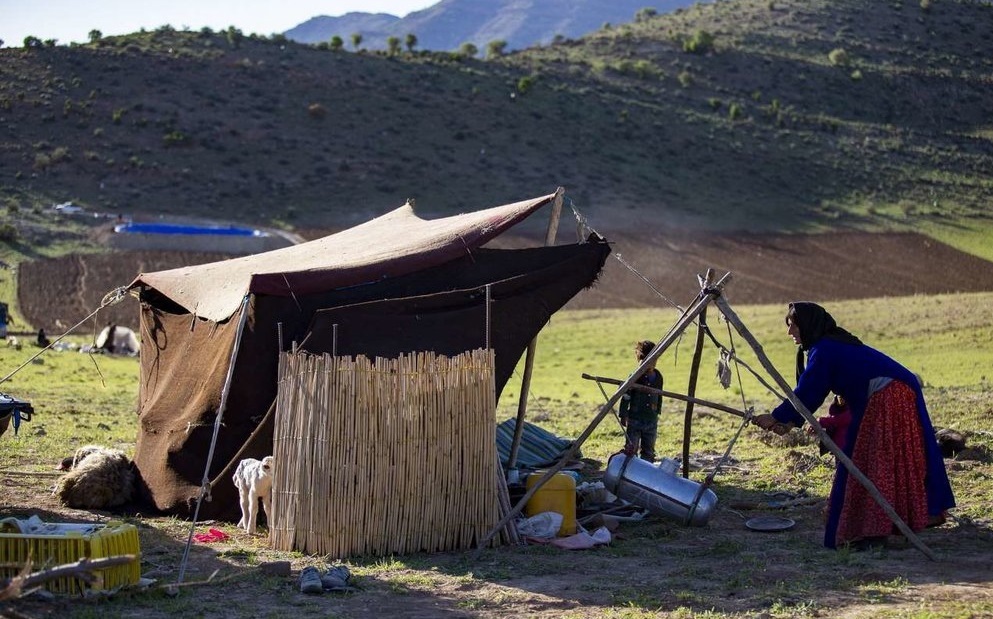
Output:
x=396 y=243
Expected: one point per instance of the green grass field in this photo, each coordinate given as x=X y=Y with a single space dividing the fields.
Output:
x=946 y=339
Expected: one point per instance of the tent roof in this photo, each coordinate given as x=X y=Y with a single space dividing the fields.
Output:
x=393 y=244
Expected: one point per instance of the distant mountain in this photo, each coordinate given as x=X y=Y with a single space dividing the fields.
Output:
x=450 y=23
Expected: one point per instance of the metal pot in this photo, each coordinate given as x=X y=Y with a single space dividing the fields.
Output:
x=658 y=490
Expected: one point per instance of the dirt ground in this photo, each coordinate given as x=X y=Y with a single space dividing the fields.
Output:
x=57 y=293
x=651 y=569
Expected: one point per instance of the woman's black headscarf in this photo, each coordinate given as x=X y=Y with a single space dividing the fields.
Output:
x=814 y=323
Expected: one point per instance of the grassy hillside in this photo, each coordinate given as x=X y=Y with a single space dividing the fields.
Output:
x=742 y=114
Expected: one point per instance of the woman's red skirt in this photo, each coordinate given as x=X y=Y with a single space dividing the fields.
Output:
x=889 y=450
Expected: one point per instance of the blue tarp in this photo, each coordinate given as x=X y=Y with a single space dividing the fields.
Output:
x=538 y=447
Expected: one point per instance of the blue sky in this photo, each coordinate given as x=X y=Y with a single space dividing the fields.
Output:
x=72 y=20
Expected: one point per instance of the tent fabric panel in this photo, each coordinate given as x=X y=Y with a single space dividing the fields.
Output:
x=183 y=367
x=394 y=244
x=453 y=322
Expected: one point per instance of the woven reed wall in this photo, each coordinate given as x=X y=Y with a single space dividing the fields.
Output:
x=385 y=457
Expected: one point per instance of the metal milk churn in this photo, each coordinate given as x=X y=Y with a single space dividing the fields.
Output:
x=659 y=490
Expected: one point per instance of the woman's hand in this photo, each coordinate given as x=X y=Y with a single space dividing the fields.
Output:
x=770 y=424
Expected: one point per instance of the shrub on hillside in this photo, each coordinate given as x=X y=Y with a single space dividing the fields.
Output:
x=8 y=233
x=316 y=110
x=701 y=42
x=175 y=138
x=525 y=84
x=838 y=57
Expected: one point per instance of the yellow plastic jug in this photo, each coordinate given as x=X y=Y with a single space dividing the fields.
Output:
x=558 y=494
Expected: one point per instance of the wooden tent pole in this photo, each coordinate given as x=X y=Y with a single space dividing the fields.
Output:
x=669 y=394
x=674 y=334
x=522 y=402
x=694 y=373
x=801 y=408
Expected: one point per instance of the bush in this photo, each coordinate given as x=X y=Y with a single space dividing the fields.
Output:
x=317 y=111
x=685 y=79
x=8 y=233
x=645 y=14
x=734 y=111
x=838 y=57
x=701 y=42
x=175 y=138
x=495 y=49
x=525 y=84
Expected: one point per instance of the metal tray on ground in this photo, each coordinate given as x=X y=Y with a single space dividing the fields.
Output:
x=769 y=524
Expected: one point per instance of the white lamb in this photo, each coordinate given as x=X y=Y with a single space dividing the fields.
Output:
x=253 y=478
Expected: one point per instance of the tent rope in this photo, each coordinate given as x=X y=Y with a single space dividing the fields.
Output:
x=113 y=297
x=583 y=225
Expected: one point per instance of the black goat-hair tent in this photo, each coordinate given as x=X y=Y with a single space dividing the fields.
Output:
x=393 y=285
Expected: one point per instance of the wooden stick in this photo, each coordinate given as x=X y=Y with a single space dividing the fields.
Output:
x=801 y=408
x=82 y=569
x=694 y=373
x=669 y=394
x=687 y=319
x=522 y=402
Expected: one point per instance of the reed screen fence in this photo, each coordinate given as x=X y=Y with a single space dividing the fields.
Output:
x=385 y=456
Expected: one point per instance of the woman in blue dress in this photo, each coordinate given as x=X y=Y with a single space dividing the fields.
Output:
x=890 y=437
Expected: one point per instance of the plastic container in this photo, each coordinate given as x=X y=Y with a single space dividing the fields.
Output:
x=558 y=494
x=658 y=490
x=69 y=546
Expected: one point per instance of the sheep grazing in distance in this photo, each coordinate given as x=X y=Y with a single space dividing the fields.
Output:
x=98 y=478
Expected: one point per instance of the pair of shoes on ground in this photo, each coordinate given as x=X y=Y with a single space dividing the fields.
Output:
x=335 y=579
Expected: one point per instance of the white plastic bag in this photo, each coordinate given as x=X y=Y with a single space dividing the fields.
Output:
x=543 y=525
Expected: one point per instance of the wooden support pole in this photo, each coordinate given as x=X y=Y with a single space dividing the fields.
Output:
x=522 y=402
x=801 y=408
x=685 y=320
x=669 y=394
x=694 y=373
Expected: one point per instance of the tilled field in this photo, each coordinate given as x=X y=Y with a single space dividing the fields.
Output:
x=57 y=293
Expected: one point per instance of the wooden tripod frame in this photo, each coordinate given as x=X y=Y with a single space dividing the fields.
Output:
x=711 y=293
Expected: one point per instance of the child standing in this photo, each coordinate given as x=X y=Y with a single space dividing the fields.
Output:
x=640 y=409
